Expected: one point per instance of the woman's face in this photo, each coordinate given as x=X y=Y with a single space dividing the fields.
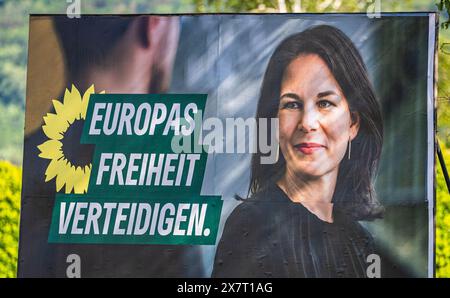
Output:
x=314 y=116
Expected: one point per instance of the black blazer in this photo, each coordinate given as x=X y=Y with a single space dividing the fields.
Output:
x=268 y=235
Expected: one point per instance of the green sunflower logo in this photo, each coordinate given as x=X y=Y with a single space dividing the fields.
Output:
x=61 y=129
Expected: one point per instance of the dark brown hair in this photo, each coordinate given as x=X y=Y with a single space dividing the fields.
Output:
x=89 y=40
x=354 y=191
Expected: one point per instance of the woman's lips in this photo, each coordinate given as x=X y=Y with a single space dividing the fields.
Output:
x=308 y=148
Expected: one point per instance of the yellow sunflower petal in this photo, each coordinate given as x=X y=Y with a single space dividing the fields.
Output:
x=76 y=95
x=61 y=111
x=81 y=180
x=87 y=175
x=59 y=106
x=61 y=177
x=51 y=149
x=54 y=168
x=52 y=132
x=76 y=180
x=54 y=126
x=85 y=101
x=72 y=104
x=67 y=96
x=70 y=179
x=78 y=102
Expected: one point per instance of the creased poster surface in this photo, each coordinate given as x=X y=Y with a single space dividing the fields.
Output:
x=294 y=145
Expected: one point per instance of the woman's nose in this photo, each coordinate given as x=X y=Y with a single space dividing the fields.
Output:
x=309 y=121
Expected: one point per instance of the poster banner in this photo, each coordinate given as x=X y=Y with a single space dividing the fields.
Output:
x=246 y=145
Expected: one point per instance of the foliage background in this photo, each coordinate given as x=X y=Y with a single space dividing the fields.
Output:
x=9 y=217
x=13 y=61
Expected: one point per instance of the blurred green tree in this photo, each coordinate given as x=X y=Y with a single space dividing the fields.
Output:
x=442 y=195
x=442 y=221
x=10 y=181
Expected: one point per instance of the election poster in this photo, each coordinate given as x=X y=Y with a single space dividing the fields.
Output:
x=229 y=145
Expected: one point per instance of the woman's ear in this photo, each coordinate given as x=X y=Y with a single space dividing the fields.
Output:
x=354 y=126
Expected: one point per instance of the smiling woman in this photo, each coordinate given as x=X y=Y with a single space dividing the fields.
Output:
x=315 y=121
x=301 y=220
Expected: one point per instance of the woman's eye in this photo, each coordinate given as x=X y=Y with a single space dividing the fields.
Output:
x=292 y=105
x=323 y=104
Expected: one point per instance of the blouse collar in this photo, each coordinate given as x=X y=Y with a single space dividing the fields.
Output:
x=322 y=210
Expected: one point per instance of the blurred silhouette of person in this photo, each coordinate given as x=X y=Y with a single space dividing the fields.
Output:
x=118 y=54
